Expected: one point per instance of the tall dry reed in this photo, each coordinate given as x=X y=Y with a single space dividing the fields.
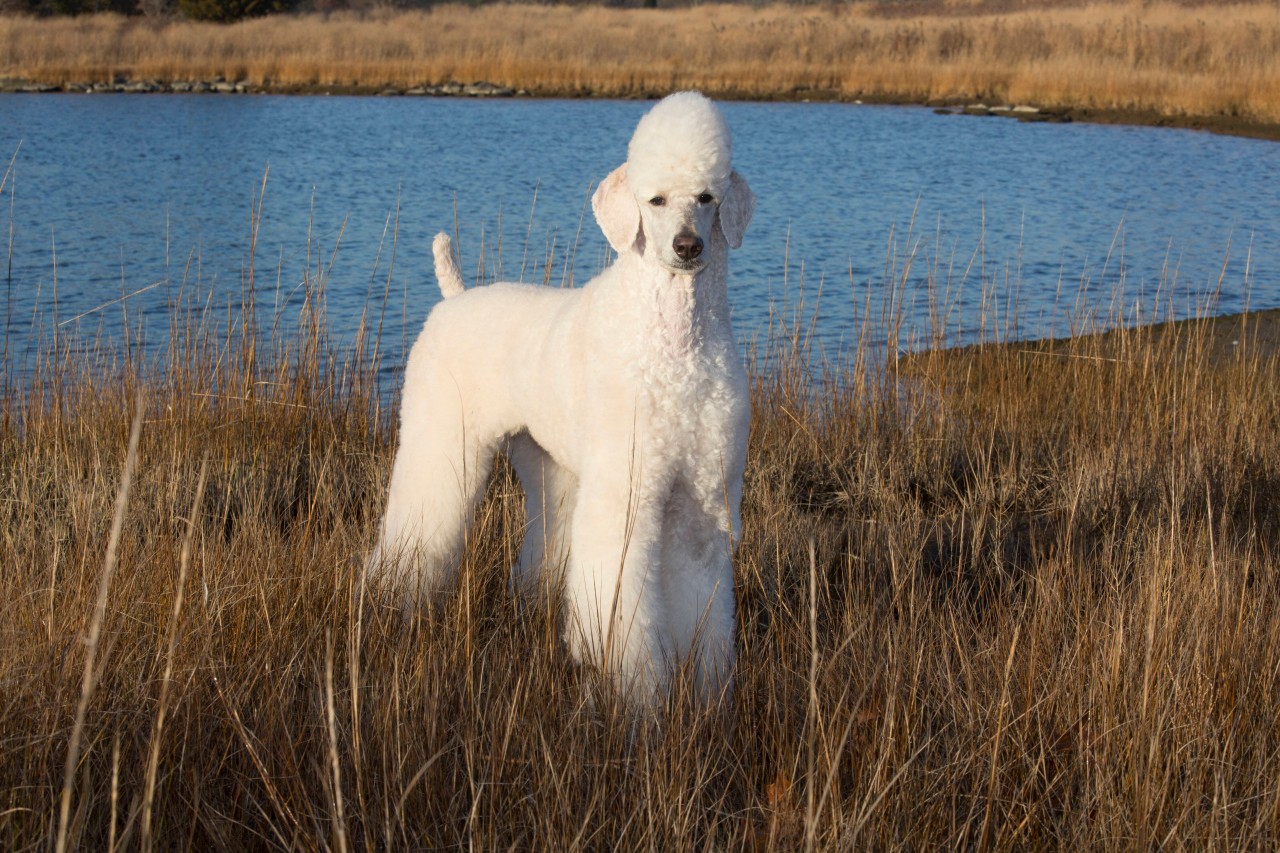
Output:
x=1020 y=596
x=1172 y=58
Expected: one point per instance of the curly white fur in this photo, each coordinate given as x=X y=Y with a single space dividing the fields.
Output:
x=623 y=406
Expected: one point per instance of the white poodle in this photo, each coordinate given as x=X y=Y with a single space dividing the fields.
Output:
x=623 y=406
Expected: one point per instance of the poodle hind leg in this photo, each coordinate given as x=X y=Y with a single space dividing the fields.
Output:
x=439 y=475
x=550 y=491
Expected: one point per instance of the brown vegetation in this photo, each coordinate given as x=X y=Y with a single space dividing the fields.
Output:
x=1168 y=58
x=1015 y=597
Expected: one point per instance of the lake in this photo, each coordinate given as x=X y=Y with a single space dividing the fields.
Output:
x=977 y=226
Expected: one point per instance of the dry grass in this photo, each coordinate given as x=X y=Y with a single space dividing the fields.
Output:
x=1178 y=59
x=1017 y=597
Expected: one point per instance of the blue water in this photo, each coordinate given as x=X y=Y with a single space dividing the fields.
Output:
x=972 y=226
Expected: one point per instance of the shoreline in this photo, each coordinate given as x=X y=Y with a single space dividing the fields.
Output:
x=1219 y=124
x=1217 y=339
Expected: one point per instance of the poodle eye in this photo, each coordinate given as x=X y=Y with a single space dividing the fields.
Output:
x=706 y=198
x=657 y=201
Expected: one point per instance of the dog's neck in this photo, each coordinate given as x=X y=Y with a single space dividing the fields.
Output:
x=680 y=311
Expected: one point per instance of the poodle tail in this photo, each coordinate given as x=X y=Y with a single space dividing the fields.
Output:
x=447 y=275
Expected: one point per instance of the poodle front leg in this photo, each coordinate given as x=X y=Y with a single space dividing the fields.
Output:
x=712 y=595
x=698 y=588
x=616 y=618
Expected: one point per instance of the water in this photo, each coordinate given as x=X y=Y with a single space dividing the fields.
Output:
x=1003 y=228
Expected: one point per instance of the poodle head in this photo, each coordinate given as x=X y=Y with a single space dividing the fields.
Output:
x=676 y=188
x=682 y=143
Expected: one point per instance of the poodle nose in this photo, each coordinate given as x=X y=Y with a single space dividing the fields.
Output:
x=687 y=246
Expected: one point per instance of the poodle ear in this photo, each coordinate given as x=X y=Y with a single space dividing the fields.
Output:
x=616 y=210
x=736 y=209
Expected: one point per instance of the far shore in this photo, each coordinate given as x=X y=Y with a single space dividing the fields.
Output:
x=972 y=107
x=1186 y=64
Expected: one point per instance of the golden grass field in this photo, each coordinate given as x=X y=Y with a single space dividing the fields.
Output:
x=1172 y=59
x=1019 y=596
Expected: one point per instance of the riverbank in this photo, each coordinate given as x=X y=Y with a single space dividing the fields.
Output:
x=1204 y=66
x=1215 y=342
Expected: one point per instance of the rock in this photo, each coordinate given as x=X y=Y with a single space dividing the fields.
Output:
x=223 y=86
x=417 y=91
x=482 y=89
x=1023 y=109
x=38 y=88
x=389 y=93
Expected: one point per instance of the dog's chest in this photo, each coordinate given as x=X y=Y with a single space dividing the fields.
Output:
x=686 y=384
